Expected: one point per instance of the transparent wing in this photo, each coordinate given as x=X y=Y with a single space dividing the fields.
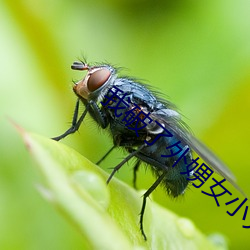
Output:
x=179 y=130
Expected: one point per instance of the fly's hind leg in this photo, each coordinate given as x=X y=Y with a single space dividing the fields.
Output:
x=135 y=169
x=145 y=196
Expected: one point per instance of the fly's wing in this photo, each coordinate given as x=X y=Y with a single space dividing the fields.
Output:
x=171 y=120
x=211 y=159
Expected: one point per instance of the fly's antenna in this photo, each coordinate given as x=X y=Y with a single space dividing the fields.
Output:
x=80 y=66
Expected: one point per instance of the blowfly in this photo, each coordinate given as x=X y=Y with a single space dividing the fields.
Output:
x=148 y=127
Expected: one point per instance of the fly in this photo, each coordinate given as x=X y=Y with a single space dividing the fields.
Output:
x=148 y=127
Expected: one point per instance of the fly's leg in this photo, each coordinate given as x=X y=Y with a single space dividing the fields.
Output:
x=75 y=124
x=124 y=161
x=91 y=107
x=135 y=169
x=145 y=196
x=105 y=155
x=98 y=115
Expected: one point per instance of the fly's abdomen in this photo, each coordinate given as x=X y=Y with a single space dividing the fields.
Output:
x=170 y=157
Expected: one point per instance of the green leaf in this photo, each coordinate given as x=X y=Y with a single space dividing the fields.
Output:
x=107 y=215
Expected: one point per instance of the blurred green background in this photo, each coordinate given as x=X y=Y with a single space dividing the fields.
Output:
x=195 y=52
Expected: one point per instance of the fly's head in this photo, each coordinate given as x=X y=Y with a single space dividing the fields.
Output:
x=95 y=81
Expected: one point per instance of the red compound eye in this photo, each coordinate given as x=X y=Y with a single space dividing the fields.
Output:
x=97 y=79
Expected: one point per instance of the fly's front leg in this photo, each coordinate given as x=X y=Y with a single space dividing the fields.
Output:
x=75 y=123
x=97 y=114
